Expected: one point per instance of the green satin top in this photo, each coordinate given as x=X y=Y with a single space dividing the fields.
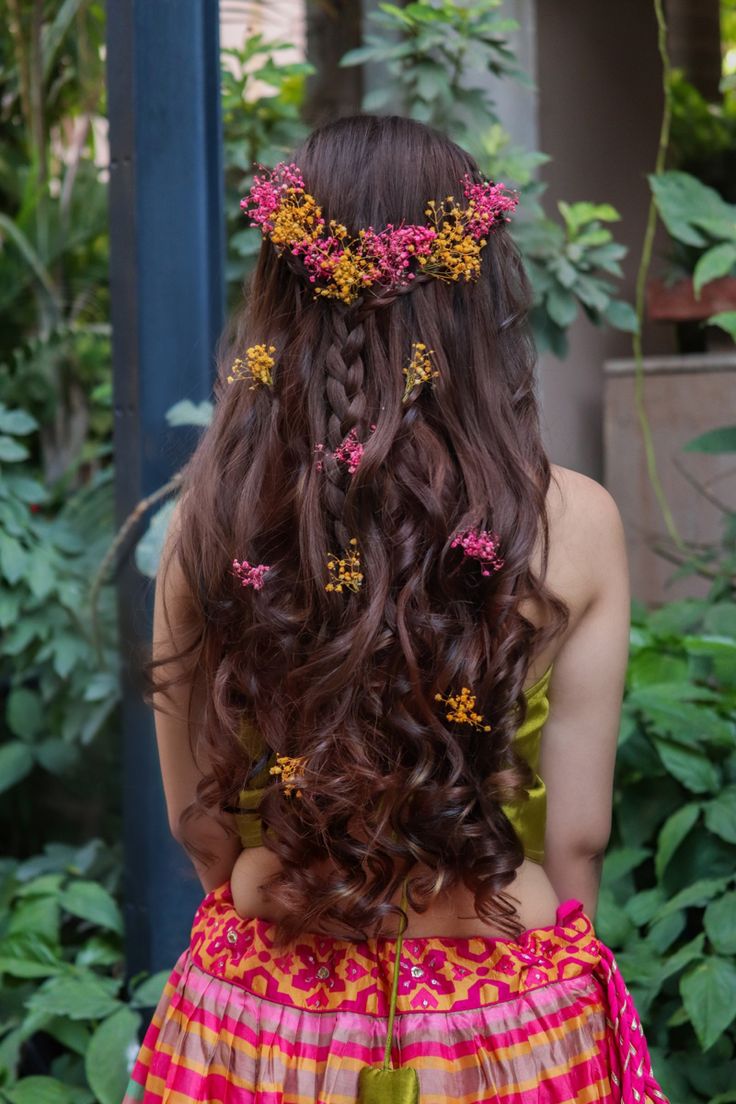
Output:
x=528 y=817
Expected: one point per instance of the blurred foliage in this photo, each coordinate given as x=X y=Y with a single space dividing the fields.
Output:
x=261 y=104
x=704 y=225
x=668 y=898
x=439 y=57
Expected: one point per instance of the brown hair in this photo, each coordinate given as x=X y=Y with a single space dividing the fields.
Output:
x=349 y=680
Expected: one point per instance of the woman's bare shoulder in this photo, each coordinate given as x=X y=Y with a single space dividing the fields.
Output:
x=587 y=540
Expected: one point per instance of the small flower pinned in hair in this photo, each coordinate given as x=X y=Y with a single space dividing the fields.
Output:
x=349 y=452
x=419 y=369
x=257 y=366
x=345 y=570
x=250 y=575
x=481 y=545
x=461 y=709
x=289 y=769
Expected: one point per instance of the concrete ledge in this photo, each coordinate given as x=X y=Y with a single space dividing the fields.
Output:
x=666 y=365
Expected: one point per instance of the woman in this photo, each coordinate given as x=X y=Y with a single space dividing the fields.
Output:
x=376 y=592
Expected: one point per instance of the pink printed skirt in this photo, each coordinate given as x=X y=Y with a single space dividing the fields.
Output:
x=545 y=1019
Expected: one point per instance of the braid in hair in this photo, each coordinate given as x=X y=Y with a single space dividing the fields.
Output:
x=346 y=410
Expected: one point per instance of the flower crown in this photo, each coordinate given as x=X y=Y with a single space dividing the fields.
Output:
x=342 y=267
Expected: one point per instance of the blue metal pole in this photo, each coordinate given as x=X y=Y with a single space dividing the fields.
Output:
x=167 y=287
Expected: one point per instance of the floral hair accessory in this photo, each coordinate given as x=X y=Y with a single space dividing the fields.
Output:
x=289 y=769
x=250 y=575
x=419 y=369
x=257 y=366
x=349 y=452
x=481 y=545
x=341 y=266
x=345 y=571
x=461 y=709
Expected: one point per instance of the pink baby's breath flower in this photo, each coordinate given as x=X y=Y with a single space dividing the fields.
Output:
x=250 y=575
x=481 y=545
x=350 y=451
x=267 y=194
x=491 y=204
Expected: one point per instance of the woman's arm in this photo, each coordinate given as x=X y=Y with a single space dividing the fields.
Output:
x=174 y=719
x=581 y=735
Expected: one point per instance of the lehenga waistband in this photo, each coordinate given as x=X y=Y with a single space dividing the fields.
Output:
x=437 y=973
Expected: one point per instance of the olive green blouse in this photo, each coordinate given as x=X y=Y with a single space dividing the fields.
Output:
x=528 y=817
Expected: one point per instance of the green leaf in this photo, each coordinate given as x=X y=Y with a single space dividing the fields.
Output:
x=717 y=262
x=720 y=815
x=16 y=422
x=643 y=906
x=16 y=761
x=186 y=413
x=12 y=451
x=13 y=558
x=90 y=901
x=718 y=921
x=621 y=316
x=562 y=307
x=699 y=893
x=106 y=1061
x=37 y=915
x=690 y=767
x=673 y=832
x=39 y=1090
x=56 y=756
x=620 y=861
x=726 y=320
x=148 y=993
x=28 y=955
x=714 y=441
x=150 y=546
x=23 y=713
x=680 y=197
x=708 y=991
x=79 y=998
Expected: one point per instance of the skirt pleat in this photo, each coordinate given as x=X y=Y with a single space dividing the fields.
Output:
x=545 y=1019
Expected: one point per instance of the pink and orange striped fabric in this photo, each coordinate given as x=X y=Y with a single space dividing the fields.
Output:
x=545 y=1019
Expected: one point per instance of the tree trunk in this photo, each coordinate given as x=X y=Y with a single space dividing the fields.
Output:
x=333 y=28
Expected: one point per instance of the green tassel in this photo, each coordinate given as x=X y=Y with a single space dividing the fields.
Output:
x=383 y=1084
x=388 y=1086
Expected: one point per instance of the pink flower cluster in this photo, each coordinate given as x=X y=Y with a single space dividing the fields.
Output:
x=250 y=575
x=490 y=205
x=267 y=193
x=481 y=545
x=280 y=206
x=350 y=452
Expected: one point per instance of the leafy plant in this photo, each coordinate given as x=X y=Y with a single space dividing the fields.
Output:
x=433 y=53
x=68 y=1030
x=697 y=217
x=438 y=57
x=261 y=102
x=59 y=682
x=669 y=886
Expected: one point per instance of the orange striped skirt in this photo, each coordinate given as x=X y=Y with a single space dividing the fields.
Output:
x=542 y=1019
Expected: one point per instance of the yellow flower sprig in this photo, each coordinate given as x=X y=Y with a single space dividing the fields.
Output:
x=455 y=252
x=419 y=369
x=289 y=768
x=461 y=709
x=257 y=367
x=345 y=570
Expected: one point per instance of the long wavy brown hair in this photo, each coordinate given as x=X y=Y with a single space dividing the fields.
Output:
x=349 y=680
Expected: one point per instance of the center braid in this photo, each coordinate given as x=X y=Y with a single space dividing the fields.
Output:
x=346 y=411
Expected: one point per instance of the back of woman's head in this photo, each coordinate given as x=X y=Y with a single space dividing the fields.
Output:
x=343 y=457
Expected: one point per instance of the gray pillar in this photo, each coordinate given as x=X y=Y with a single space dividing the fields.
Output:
x=167 y=246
